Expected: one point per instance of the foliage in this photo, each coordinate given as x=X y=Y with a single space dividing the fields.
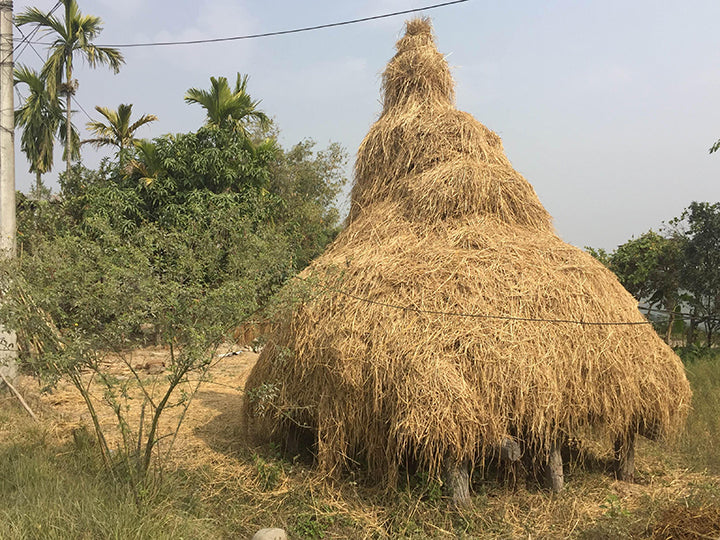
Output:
x=228 y=108
x=172 y=172
x=308 y=183
x=72 y=35
x=600 y=254
x=700 y=222
x=118 y=131
x=649 y=267
x=40 y=118
x=190 y=238
x=679 y=269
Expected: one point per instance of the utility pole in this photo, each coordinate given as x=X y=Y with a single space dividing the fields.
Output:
x=8 y=339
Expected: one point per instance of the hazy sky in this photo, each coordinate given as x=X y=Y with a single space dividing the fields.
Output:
x=607 y=107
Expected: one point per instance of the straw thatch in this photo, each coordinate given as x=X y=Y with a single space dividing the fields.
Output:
x=441 y=225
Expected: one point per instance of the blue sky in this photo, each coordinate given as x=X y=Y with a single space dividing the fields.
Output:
x=607 y=107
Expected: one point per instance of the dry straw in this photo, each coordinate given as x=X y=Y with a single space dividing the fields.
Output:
x=440 y=221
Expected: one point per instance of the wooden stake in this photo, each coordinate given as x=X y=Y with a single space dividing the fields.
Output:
x=457 y=481
x=20 y=398
x=554 y=475
x=625 y=457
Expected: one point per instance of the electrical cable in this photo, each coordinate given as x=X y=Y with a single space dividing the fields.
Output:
x=282 y=32
x=72 y=97
x=26 y=39
x=474 y=315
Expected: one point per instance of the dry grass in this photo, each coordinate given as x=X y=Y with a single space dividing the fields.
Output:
x=441 y=223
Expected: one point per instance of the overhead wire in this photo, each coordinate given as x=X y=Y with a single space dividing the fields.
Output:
x=72 y=96
x=681 y=315
x=472 y=315
x=27 y=39
x=278 y=32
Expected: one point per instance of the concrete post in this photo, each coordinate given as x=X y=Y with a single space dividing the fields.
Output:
x=8 y=340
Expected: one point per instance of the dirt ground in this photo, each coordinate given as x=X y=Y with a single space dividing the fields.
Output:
x=211 y=428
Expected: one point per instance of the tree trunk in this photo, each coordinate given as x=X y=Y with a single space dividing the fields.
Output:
x=671 y=322
x=457 y=481
x=690 y=339
x=554 y=475
x=625 y=457
x=68 y=129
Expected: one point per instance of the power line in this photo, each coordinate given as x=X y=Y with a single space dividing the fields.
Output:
x=72 y=96
x=283 y=32
x=26 y=39
x=82 y=109
x=474 y=315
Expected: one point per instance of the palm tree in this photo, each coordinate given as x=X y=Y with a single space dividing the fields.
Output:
x=72 y=35
x=227 y=108
x=118 y=131
x=41 y=118
x=147 y=166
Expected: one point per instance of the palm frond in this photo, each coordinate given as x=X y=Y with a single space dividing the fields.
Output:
x=47 y=23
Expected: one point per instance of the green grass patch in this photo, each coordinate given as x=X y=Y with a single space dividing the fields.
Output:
x=700 y=444
x=50 y=491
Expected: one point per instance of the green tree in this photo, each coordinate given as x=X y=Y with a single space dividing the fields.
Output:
x=72 y=35
x=146 y=165
x=701 y=270
x=39 y=117
x=650 y=268
x=118 y=131
x=308 y=183
x=228 y=108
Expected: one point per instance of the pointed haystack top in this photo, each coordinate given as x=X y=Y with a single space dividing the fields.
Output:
x=448 y=316
x=437 y=162
x=418 y=73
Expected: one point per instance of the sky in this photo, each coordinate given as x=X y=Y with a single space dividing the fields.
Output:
x=607 y=107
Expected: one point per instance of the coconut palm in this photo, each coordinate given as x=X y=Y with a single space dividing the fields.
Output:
x=226 y=107
x=41 y=118
x=118 y=131
x=73 y=34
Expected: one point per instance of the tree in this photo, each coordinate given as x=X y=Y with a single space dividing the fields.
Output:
x=715 y=147
x=146 y=166
x=308 y=183
x=650 y=268
x=118 y=131
x=40 y=118
x=701 y=269
x=226 y=108
x=74 y=34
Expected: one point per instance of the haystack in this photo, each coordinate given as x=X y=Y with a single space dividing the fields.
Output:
x=448 y=317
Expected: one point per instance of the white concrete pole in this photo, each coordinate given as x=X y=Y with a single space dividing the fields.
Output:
x=8 y=340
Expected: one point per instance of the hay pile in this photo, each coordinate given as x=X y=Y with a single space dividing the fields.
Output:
x=441 y=223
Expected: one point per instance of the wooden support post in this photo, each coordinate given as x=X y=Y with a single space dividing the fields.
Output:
x=457 y=481
x=625 y=457
x=510 y=450
x=554 y=476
